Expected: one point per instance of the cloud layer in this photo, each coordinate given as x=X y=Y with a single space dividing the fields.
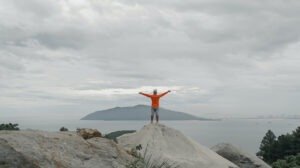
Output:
x=222 y=59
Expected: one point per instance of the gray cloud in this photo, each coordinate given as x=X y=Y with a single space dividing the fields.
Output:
x=238 y=58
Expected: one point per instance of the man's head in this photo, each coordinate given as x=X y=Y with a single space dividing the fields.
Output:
x=155 y=92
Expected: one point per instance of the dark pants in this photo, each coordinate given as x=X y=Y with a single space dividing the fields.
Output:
x=154 y=111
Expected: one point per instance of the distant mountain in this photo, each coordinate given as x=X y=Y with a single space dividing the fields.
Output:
x=138 y=112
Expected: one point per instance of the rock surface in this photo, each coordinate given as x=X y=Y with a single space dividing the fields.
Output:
x=164 y=143
x=239 y=157
x=36 y=149
x=87 y=133
x=9 y=157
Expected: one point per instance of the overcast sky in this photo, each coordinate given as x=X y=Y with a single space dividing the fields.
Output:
x=220 y=58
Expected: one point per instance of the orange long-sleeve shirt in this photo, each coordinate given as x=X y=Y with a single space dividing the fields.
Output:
x=155 y=98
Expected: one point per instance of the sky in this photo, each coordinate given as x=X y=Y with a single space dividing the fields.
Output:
x=220 y=58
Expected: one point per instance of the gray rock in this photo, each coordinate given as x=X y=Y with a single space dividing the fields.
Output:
x=10 y=158
x=59 y=149
x=162 y=143
x=239 y=157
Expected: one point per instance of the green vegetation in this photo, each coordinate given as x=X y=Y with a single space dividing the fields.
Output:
x=116 y=134
x=266 y=147
x=9 y=126
x=62 y=129
x=146 y=161
x=283 y=151
x=288 y=162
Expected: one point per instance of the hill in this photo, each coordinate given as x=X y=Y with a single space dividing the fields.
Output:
x=138 y=112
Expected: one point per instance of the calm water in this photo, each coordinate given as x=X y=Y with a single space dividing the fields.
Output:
x=245 y=133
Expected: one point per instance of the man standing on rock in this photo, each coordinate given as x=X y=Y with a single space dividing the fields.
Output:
x=155 y=103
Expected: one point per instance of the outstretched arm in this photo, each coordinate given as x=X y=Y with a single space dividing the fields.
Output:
x=161 y=95
x=147 y=95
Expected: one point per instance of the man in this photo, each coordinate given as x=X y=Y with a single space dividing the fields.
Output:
x=155 y=103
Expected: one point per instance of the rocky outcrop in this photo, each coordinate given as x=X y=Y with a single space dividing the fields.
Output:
x=9 y=157
x=164 y=143
x=87 y=133
x=36 y=149
x=239 y=157
x=155 y=142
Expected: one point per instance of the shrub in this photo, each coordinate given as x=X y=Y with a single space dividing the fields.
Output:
x=116 y=134
x=288 y=162
x=9 y=126
x=146 y=161
x=62 y=129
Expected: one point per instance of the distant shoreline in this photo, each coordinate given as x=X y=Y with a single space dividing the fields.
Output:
x=253 y=118
x=148 y=120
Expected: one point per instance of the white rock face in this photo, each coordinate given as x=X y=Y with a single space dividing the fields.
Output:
x=164 y=143
x=239 y=157
x=59 y=149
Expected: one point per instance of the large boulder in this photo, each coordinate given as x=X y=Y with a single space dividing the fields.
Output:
x=162 y=143
x=239 y=157
x=87 y=133
x=59 y=149
x=10 y=158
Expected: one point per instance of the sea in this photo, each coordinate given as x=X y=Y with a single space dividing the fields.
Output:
x=243 y=133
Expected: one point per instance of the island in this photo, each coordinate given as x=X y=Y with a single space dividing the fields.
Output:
x=138 y=112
